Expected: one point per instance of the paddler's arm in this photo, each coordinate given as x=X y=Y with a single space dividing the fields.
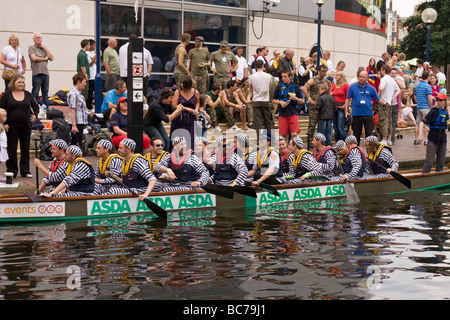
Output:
x=59 y=189
x=265 y=176
x=38 y=164
x=151 y=185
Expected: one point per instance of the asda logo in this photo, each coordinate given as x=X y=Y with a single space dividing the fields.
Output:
x=131 y=205
x=307 y=193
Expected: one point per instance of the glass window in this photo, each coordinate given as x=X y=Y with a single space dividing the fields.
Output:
x=227 y=3
x=119 y=21
x=163 y=61
x=162 y=24
x=215 y=28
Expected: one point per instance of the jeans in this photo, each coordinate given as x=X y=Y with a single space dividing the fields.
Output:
x=40 y=82
x=160 y=132
x=325 y=127
x=339 y=125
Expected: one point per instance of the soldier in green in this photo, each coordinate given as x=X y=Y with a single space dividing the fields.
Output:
x=181 y=59
x=198 y=60
x=222 y=69
x=311 y=92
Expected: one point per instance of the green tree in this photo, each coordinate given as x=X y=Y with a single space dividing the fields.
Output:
x=414 y=45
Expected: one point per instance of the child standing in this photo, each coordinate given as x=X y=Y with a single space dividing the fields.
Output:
x=326 y=106
x=442 y=88
x=3 y=141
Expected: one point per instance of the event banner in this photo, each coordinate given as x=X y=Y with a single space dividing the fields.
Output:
x=370 y=14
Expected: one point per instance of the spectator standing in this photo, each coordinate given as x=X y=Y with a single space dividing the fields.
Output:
x=419 y=72
x=241 y=71
x=161 y=110
x=181 y=69
x=40 y=55
x=288 y=63
x=148 y=67
x=397 y=103
x=198 y=60
x=383 y=61
x=78 y=117
x=326 y=106
x=112 y=65
x=112 y=97
x=225 y=63
x=286 y=97
x=433 y=81
x=360 y=95
x=260 y=86
x=374 y=74
x=327 y=58
x=388 y=91
x=21 y=111
x=123 y=58
x=424 y=100
x=12 y=58
x=92 y=58
x=339 y=91
x=83 y=65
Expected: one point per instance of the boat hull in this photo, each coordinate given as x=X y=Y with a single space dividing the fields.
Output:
x=19 y=208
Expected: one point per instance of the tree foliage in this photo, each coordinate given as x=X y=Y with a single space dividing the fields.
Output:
x=414 y=45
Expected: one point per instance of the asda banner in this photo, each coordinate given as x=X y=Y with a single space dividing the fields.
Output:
x=370 y=14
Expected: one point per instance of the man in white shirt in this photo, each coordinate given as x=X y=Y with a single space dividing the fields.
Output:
x=241 y=71
x=388 y=91
x=419 y=71
x=326 y=57
x=92 y=58
x=260 y=86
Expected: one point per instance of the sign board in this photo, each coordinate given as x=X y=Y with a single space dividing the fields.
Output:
x=138 y=70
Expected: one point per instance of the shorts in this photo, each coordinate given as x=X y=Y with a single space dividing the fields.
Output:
x=145 y=141
x=288 y=124
x=421 y=113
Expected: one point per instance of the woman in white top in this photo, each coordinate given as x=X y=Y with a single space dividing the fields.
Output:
x=12 y=58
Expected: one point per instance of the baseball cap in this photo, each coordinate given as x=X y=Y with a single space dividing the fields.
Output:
x=121 y=99
x=200 y=38
x=223 y=43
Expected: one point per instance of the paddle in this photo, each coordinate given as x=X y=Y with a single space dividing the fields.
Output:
x=150 y=204
x=245 y=191
x=269 y=188
x=218 y=190
x=352 y=196
x=402 y=179
x=35 y=197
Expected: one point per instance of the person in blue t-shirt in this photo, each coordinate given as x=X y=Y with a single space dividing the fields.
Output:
x=361 y=95
x=111 y=97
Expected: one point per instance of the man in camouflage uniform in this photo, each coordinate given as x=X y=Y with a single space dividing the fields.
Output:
x=197 y=62
x=311 y=92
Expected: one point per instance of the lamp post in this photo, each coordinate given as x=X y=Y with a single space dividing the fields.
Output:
x=429 y=16
x=319 y=4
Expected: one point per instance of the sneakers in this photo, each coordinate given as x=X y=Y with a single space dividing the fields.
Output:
x=235 y=128
x=28 y=175
x=416 y=142
x=218 y=130
x=425 y=142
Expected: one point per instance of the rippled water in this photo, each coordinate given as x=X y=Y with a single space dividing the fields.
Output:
x=387 y=247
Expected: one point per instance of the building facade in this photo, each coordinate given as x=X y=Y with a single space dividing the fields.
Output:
x=353 y=30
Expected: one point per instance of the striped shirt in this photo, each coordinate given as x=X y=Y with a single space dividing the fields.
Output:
x=142 y=167
x=387 y=156
x=239 y=165
x=79 y=172
x=56 y=175
x=115 y=167
x=198 y=167
x=422 y=91
x=311 y=165
x=76 y=101
x=329 y=167
x=355 y=159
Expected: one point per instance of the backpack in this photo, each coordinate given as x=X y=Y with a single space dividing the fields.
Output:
x=60 y=97
x=62 y=129
x=45 y=146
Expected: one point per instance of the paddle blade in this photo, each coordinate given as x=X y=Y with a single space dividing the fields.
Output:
x=405 y=181
x=352 y=196
x=245 y=191
x=160 y=212
x=270 y=189
x=223 y=191
x=33 y=197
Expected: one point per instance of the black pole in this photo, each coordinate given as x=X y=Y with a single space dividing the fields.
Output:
x=135 y=92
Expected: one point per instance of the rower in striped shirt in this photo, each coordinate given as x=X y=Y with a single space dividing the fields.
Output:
x=135 y=171
x=108 y=163
x=381 y=159
x=185 y=170
x=56 y=171
x=286 y=158
x=355 y=163
x=245 y=152
x=325 y=155
x=230 y=169
x=208 y=158
x=305 y=164
x=80 y=176
x=156 y=158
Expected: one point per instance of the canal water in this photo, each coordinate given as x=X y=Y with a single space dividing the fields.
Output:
x=386 y=247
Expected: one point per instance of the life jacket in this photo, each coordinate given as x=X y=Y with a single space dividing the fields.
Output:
x=347 y=165
x=284 y=163
x=320 y=156
x=131 y=178
x=246 y=158
x=207 y=166
x=374 y=157
x=182 y=169
x=263 y=163
x=148 y=156
x=224 y=170
x=256 y=56
x=285 y=90
x=54 y=165
x=299 y=170
x=103 y=165
x=441 y=122
x=84 y=185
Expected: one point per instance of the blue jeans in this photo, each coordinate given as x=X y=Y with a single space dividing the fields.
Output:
x=41 y=82
x=339 y=125
x=160 y=132
x=326 y=128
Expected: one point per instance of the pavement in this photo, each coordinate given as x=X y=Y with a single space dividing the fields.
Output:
x=408 y=155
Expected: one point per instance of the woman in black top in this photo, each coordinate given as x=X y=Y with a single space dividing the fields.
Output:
x=21 y=109
x=158 y=111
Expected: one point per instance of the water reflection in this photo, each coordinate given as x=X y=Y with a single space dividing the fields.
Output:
x=392 y=247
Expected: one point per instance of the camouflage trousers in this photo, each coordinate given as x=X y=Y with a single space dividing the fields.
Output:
x=219 y=111
x=313 y=118
x=201 y=82
x=178 y=74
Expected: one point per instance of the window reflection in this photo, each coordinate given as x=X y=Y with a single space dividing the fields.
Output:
x=162 y=24
x=227 y=3
x=118 y=21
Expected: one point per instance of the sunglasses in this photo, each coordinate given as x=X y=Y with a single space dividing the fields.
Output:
x=439 y=99
x=159 y=145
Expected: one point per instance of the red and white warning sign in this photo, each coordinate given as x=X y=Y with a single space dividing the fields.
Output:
x=138 y=70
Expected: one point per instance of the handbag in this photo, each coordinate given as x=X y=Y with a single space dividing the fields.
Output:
x=8 y=74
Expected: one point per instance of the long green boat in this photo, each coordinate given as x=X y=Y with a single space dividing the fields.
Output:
x=21 y=208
